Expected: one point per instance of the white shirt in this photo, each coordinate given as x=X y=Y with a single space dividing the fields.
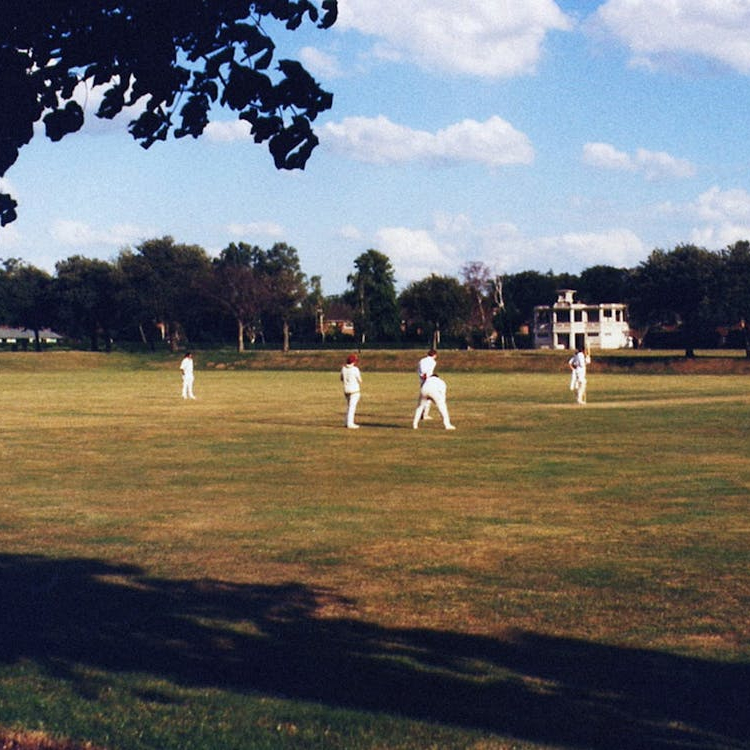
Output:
x=426 y=367
x=352 y=378
x=186 y=366
x=578 y=363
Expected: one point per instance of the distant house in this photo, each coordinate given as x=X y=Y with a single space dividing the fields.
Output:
x=338 y=318
x=23 y=337
x=569 y=324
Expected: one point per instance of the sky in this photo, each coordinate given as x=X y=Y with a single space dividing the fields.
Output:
x=522 y=134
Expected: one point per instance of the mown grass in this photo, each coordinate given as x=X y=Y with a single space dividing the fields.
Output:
x=242 y=572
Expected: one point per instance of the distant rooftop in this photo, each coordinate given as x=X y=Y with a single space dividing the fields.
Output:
x=18 y=334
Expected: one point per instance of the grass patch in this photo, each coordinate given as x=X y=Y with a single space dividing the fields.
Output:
x=241 y=571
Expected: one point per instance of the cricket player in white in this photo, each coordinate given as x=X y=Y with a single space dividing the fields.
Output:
x=433 y=390
x=351 y=377
x=577 y=365
x=188 y=378
x=426 y=369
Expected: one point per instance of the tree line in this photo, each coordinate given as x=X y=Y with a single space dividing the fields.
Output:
x=686 y=297
x=161 y=293
x=165 y=294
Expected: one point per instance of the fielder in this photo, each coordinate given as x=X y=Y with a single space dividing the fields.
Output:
x=577 y=365
x=433 y=391
x=351 y=377
x=188 y=378
x=426 y=369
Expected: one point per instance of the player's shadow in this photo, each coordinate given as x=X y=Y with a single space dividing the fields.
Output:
x=564 y=692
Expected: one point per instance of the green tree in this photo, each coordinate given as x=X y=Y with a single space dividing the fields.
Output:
x=736 y=288
x=29 y=301
x=239 y=289
x=314 y=306
x=681 y=286
x=438 y=305
x=372 y=295
x=165 y=285
x=481 y=284
x=87 y=295
x=175 y=61
x=521 y=293
x=7 y=267
x=600 y=284
x=285 y=287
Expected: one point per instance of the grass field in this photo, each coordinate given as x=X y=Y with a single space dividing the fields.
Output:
x=242 y=572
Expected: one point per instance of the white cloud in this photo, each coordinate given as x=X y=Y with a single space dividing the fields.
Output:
x=725 y=217
x=10 y=237
x=78 y=233
x=254 y=228
x=476 y=37
x=658 y=29
x=350 y=232
x=726 y=214
x=90 y=99
x=320 y=63
x=720 y=236
x=657 y=165
x=654 y=165
x=615 y=247
x=379 y=141
x=415 y=253
x=228 y=131
x=453 y=240
x=724 y=205
x=606 y=156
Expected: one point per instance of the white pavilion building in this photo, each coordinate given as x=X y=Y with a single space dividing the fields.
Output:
x=569 y=324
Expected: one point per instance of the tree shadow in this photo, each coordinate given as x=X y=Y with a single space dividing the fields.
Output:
x=64 y=614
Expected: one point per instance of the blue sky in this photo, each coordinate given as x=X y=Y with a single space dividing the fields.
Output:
x=525 y=134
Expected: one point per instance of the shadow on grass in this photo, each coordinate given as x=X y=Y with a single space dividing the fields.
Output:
x=63 y=614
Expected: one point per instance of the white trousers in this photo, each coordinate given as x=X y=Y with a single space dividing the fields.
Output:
x=578 y=384
x=352 y=399
x=433 y=391
x=426 y=412
x=187 y=386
